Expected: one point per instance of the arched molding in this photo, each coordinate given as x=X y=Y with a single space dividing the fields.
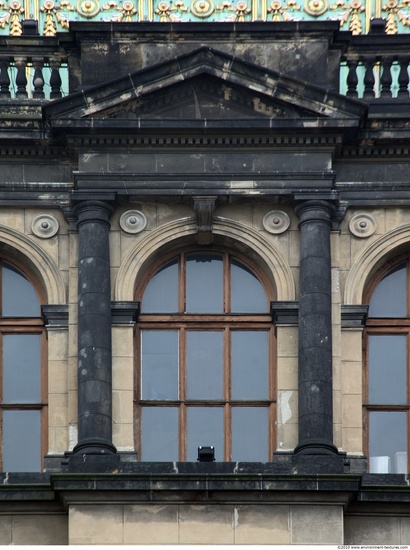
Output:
x=233 y=234
x=371 y=259
x=21 y=247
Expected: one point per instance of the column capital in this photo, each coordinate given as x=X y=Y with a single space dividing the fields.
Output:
x=315 y=211
x=93 y=211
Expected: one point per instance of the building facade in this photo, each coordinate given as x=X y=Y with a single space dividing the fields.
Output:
x=204 y=247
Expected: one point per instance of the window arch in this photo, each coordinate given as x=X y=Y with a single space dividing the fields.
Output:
x=387 y=396
x=205 y=360
x=23 y=403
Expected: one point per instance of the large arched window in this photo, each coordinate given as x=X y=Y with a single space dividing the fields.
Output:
x=387 y=402
x=23 y=384
x=205 y=361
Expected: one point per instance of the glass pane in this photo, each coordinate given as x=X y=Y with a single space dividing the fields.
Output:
x=21 y=364
x=159 y=369
x=250 y=434
x=19 y=298
x=247 y=293
x=161 y=294
x=387 y=370
x=249 y=365
x=204 y=283
x=159 y=434
x=206 y=428
x=204 y=365
x=21 y=441
x=389 y=298
x=388 y=442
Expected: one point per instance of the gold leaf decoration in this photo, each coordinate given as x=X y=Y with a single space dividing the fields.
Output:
x=127 y=11
x=165 y=11
x=241 y=9
x=278 y=10
x=395 y=12
x=352 y=12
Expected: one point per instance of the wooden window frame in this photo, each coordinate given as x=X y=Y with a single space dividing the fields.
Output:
x=386 y=326
x=225 y=322
x=26 y=325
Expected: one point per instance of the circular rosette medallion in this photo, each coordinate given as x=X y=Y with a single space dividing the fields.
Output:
x=202 y=8
x=276 y=221
x=88 y=8
x=362 y=225
x=316 y=7
x=45 y=226
x=133 y=221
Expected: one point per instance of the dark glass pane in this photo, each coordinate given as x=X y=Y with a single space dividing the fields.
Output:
x=205 y=428
x=159 y=434
x=21 y=441
x=21 y=365
x=19 y=299
x=250 y=434
x=389 y=298
x=161 y=294
x=159 y=369
x=388 y=442
x=249 y=365
x=247 y=293
x=204 y=365
x=204 y=283
x=387 y=370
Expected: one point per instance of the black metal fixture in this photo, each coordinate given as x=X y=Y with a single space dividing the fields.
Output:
x=206 y=454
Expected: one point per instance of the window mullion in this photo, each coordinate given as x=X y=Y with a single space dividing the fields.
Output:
x=182 y=395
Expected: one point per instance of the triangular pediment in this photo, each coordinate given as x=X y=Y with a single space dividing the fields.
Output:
x=204 y=97
x=203 y=85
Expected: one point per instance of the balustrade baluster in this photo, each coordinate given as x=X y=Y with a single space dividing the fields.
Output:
x=352 y=79
x=403 y=79
x=38 y=79
x=4 y=79
x=368 y=79
x=386 y=78
x=21 y=78
x=55 y=78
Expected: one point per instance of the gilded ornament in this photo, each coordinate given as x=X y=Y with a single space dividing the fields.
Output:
x=52 y=13
x=127 y=11
x=241 y=9
x=352 y=12
x=278 y=10
x=202 y=8
x=316 y=7
x=164 y=10
x=88 y=8
x=395 y=12
x=12 y=18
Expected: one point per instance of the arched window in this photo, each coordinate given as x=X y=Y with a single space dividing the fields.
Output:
x=387 y=375
x=23 y=392
x=205 y=361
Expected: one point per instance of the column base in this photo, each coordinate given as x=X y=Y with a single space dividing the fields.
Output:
x=325 y=463
x=316 y=447
x=94 y=446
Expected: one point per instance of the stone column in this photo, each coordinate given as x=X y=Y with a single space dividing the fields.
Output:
x=315 y=330
x=94 y=329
